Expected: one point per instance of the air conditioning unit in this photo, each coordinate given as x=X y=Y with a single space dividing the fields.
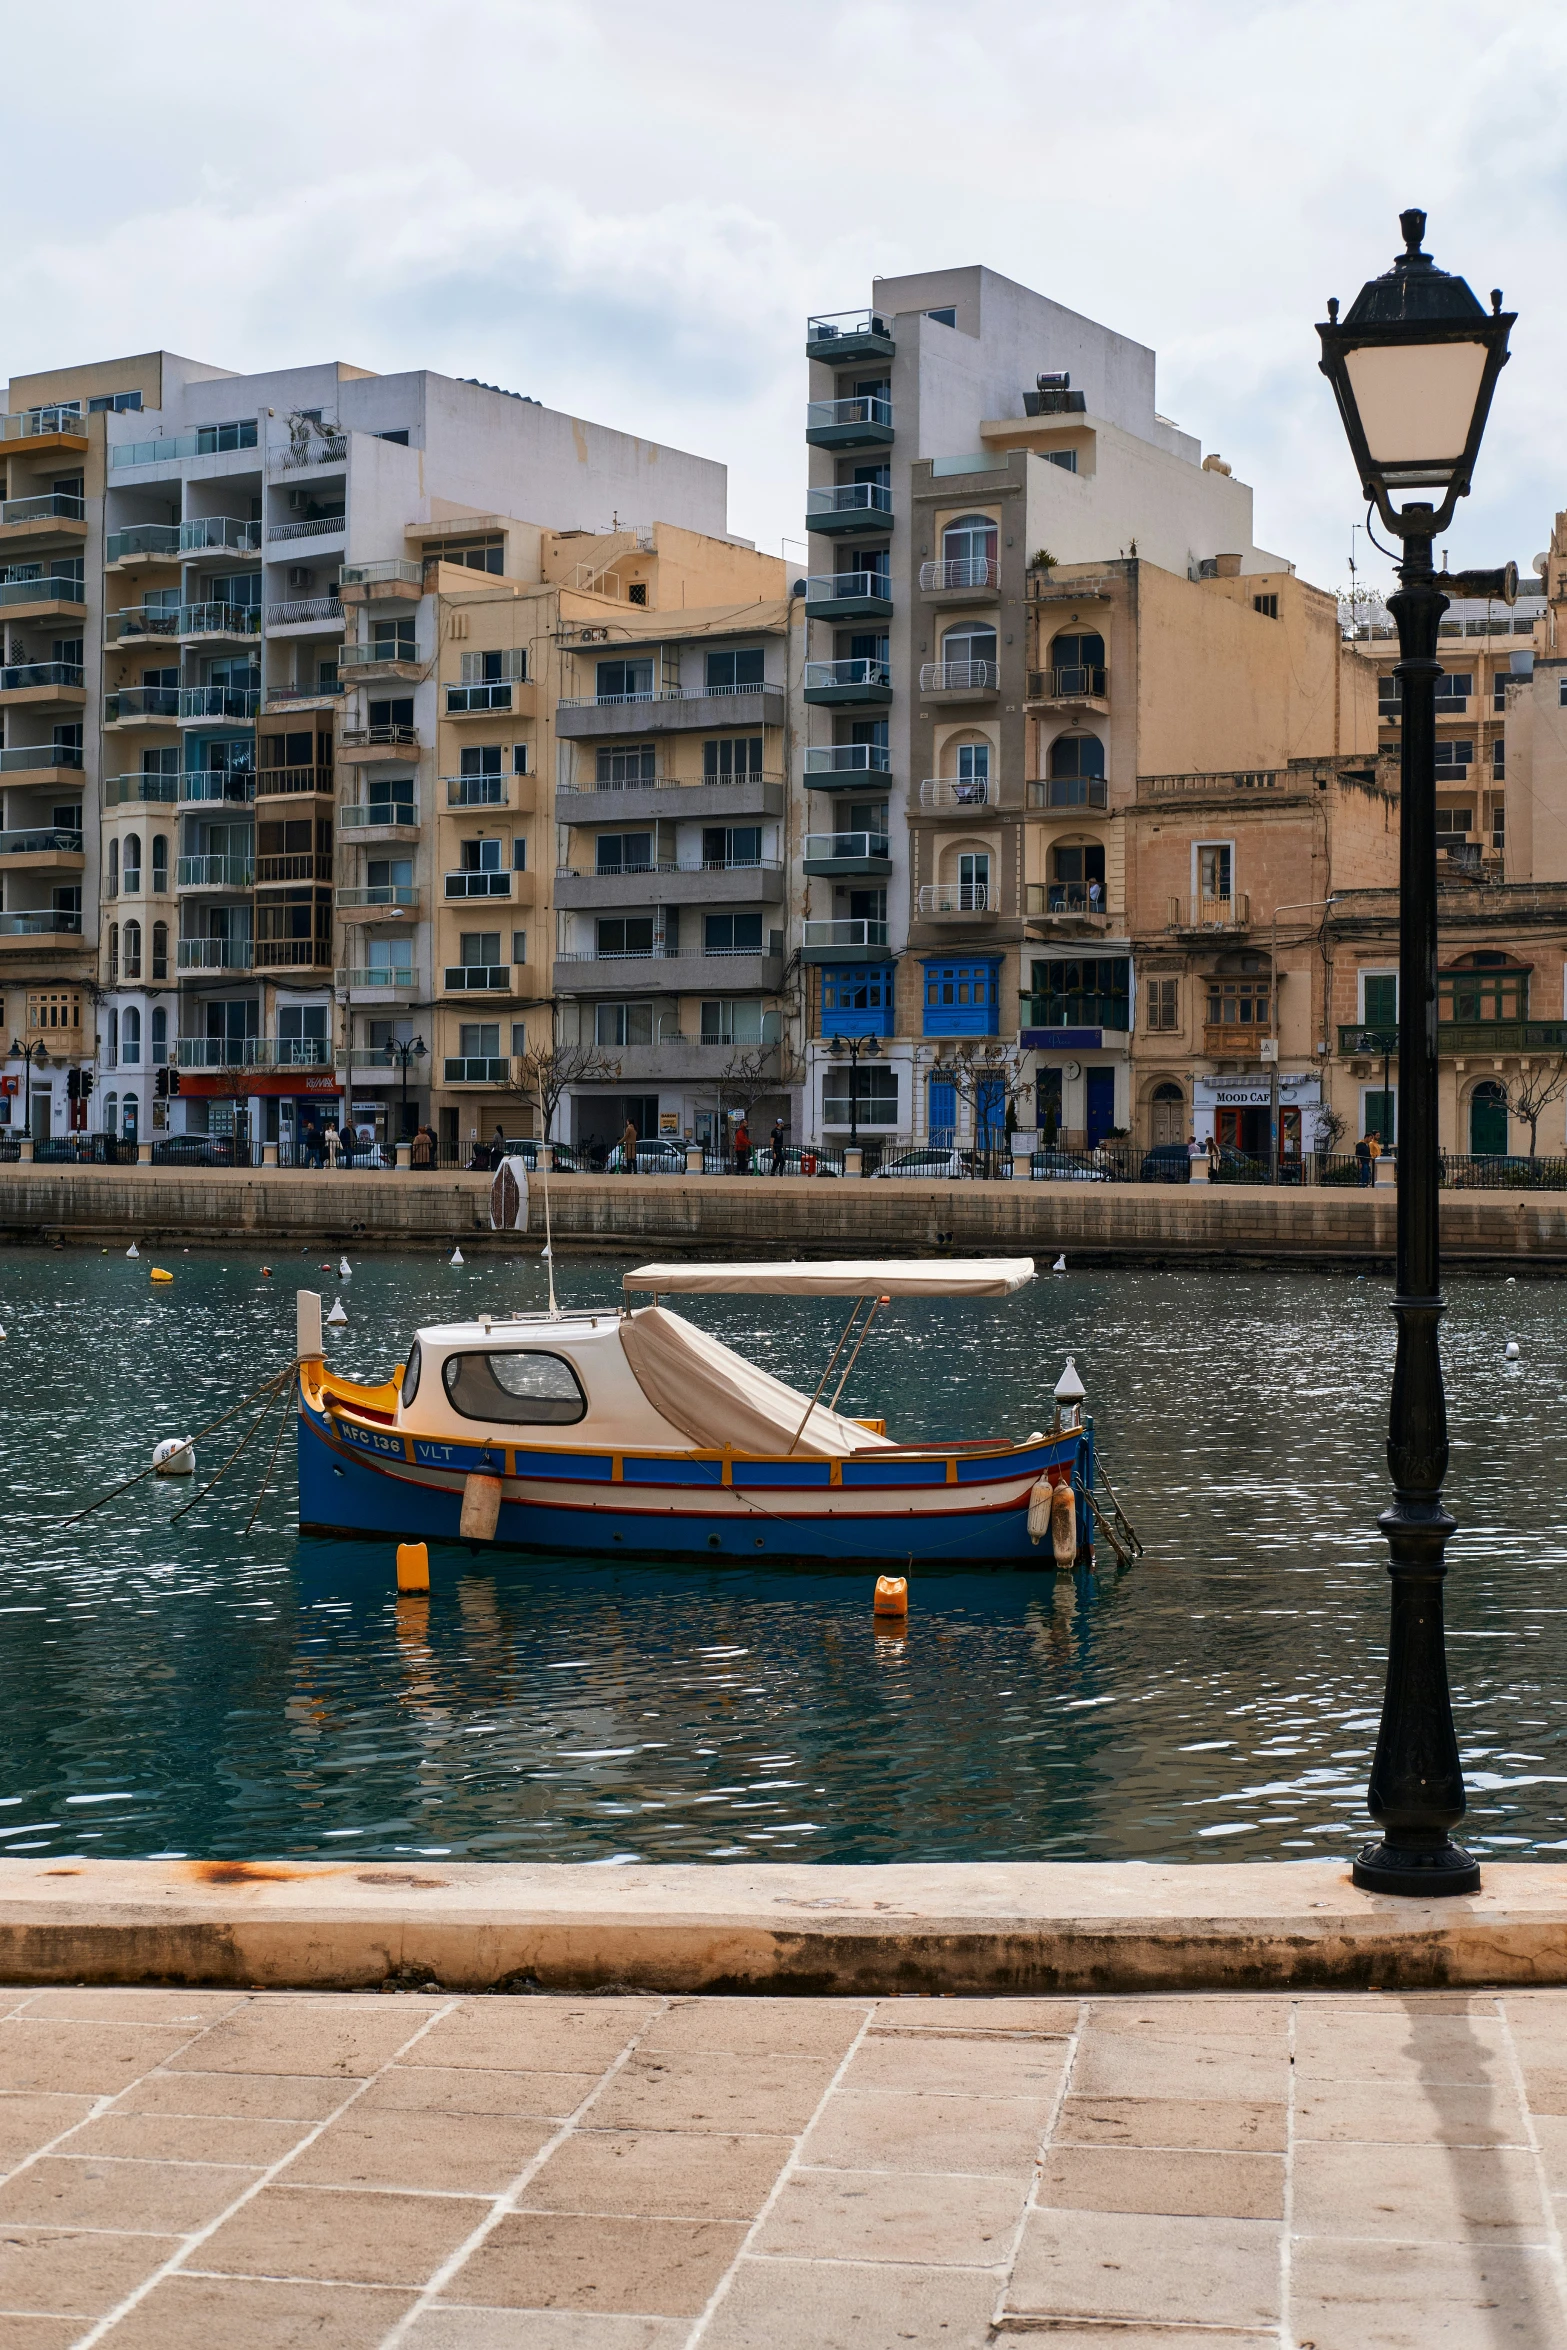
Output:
x=300 y=576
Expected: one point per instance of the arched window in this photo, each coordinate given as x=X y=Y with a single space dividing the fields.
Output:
x=1488 y=1120
x=160 y=952
x=971 y=775
x=1077 y=772
x=160 y=1033
x=968 y=550
x=130 y=1112
x=1167 y=1115
x=113 y=888
x=1077 y=665
x=132 y=952
x=114 y=952
x=160 y=862
x=1077 y=878
x=969 y=652
x=130 y=1036
x=111 y=1109
x=1485 y=985
x=114 y=1037
x=133 y=864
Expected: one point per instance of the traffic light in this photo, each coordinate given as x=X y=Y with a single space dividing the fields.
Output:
x=85 y=1084
x=73 y=1084
x=160 y=1084
x=174 y=1080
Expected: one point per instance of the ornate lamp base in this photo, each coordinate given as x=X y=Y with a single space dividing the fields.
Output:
x=1421 y=1871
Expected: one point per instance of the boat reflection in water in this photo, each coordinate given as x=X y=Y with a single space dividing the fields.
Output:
x=630 y=1431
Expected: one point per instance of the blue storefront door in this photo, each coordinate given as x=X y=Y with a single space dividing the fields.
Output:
x=1101 y=1104
x=943 y=1119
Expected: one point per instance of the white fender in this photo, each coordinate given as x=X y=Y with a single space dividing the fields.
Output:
x=1063 y=1525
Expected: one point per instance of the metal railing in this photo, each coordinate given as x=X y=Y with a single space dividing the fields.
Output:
x=954 y=677
x=1465 y=1172
x=475 y=977
x=219 y=534
x=958 y=791
x=870 y=498
x=478 y=791
x=275 y=783
x=50 y=506
x=378 y=656
x=381 y=893
x=821 y=415
x=322 y=448
x=852 y=932
x=399 y=977
x=833 y=326
x=957 y=897
x=842 y=587
x=253 y=1052
x=392 y=736
x=1041 y=898
x=478 y=885
x=25 y=758
x=46 y=840
x=1068 y=791
x=219 y=701
x=293 y=865
x=825 y=676
x=28 y=424
x=1205 y=913
x=824 y=845
x=118 y=790
x=214 y=954
x=141 y=701
x=361 y=815
x=46 y=923
x=965 y=571
x=219 y=872
x=292 y=954
x=848 y=759
x=208 y=440
x=23 y=676
x=303 y=608
x=52 y=587
x=394 y=567
x=219 y=618
x=1076 y=682
x=313 y=526
x=218 y=783
x=666 y=693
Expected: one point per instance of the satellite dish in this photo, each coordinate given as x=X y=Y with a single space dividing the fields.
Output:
x=1541 y=564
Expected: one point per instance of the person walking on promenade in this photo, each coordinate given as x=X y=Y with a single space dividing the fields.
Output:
x=742 y=1149
x=334 y=1145
x=1195 y=1150
x=778 y=1146
x=1363 y=1162
x=628 y=1149
x=498 y=1147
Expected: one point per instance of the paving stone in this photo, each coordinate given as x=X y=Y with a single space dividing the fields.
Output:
x=1043 y=2018
x=915 y=2216
x=188 y=2138
x=319 y=2036
x=1402 y=2046
x=759 y=2027
x=1124 y=2064
x=234 y=2313
x=88 y=2059
x=1183 y=2271
x=26 y=2123
x=193 y=2009
x=535 y=2035
x=445 y=2328
x=638 y=2267
x=82 y=2271
x=458 y=2154
x=839 y=2305
x=884 y=2129
x=78 y=2192
x=38 y=2333
x=1218 y=2125
x=721 y=2091
x=432 y=2088
x=659 y=2174
x=1259 y=2023
x=301 y=2097
x=1136 y=2178
x=1418 y=2193
x=976 y=2068
x=1550 y=2130
x=1448 y=2113
x=324 y=2233
x=1346 y=2296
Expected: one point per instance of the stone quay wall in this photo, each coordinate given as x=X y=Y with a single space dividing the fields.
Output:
x=1093 y=1223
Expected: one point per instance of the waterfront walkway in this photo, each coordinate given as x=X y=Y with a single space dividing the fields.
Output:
x=1347 y=2171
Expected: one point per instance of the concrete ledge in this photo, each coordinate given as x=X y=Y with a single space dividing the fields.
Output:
x=981 y=1927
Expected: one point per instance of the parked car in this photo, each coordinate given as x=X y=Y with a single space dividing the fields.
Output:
x=933 y=1165
x=1167 y=1162
x=657 y=1154
x=1069 y=1167
x=566 y=1159
x=194 y=1150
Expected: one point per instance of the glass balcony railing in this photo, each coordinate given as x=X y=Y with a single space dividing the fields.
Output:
x=847 y=587
x=839 y=847
x=51 y=506
x=853 y=932
x=47 y=840
x=46 y=923
x=838 y=415
x=380 y=893
x=836 y=676
x=118 y=790
x=30 y=758
x=224 y=872
x=29 y=424
x=872 y=499
x=209 y=440
x=395 y=975
x=25 y=676
x=217 y=783
x=219 y=534
x=476 y=791
x=141 y=701
x=220 y=619
x=216 y=954
x=390 y=736
x=219 y=701
x=253 y=1052
x=385 y=655
x=395 y=568
x=359 y=815
x=143 y=538
x=43 y=587
x=848 y=759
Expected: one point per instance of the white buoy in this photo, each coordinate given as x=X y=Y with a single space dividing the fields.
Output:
x=174 y=1457
x=1059 y=1266
x=337 y=1314
x=1510 y=1350
x=133 y=1250
x=457 y=1257
x=344 y=1267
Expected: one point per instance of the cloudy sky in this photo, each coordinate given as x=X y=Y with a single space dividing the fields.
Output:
x=628 y=210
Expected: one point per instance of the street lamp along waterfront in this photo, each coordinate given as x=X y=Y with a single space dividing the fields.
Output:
x=1413 y=367
x=854 y=1046
x=395 y=1052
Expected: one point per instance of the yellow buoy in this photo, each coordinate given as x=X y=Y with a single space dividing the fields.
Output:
x=892 y=1596
x=159 y=1274
x=413 y=1566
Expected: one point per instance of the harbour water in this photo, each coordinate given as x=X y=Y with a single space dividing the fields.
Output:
x=181 y=1687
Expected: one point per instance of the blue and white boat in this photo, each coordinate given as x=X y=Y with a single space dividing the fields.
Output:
x=631 y=1432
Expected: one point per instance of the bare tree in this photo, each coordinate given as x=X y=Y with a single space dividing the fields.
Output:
x=546 y=1071
x=1531 y=1095
x=978 y=1071
x=1363 y=607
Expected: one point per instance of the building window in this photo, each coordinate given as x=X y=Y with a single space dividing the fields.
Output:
x=1379 y=1115
x=623 y=852
x=1485 y=987
x=1237 y=1003
x=1076 y=757
x=115 y=404
x=733 y=1020
x=1453 y=689
x=1499 y=761
x=133 y=864
x=519 y=759
x=624 y=935
x=133 y=950
x=1379 y=999
x=1162 y=1000
x=732 y=934
x=619 y=1025
x=942 y=317
x=970 y=539
x=130 y=1036
x=962 y=999
x=113 y=889
x=623 y=769
x=1213 y=869
x=1390 y=695
x=735 y=673
x=875 y=1097
x=857 y=999
x=160 y=1034
x=625 y=681
x=160 y=863
x=723 y=761
x=1268 y=606
x=1093 y=991
x=1454 y=758
x=1459 y=820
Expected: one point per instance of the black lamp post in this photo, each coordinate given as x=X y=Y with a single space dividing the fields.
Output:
x=1413 y=367
x=854 y=1046
x=405 y=1053
x=27 y=1053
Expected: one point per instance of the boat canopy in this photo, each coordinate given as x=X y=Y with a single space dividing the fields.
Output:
x=719 y=1399
x=887 y=1277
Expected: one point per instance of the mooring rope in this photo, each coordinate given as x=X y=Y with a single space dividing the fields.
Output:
x=287 y=1393
x=272 y=1387
x=115 y=1491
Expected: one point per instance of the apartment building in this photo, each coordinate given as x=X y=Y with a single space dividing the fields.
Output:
x=1035 y=592
x=209 y=710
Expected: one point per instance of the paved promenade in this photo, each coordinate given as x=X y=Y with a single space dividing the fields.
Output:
x=632 y=2172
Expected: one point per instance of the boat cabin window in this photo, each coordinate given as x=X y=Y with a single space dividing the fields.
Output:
x=531 y=1387
x=411 y=1371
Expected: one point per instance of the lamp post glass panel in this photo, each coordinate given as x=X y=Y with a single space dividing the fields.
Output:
x=1413 y=366
x=854 y=1046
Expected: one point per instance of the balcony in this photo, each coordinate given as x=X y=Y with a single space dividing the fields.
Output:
x=223 y=872
x=676 y=709
x=42 y=846
x=42 y=760
x=478 y=885
x=845 y=506
x=232 y=622
x=847 y=767
x=835 y=853
x=203 y=784
x=488 y=699
x=848 y=595
x=365 y=746
x=848 y=424
x=304 y=616
x=843 y=336
x=1068 y=906
x=1219 y=784
x=1060 y=792
x=396 y=581
x=319 y=447
x=856 y=681
x=667 y=798
x=967 y=681
x=476 y=1069
x=477 y=791
x=939 y=900
x=477 y=978
x=292 y=954
x=55 y=431
x=45 y=923
x=1210 y=914
x=1484 y=1039
x=142 y=705
x=736 y=971
x=42 y=685
x=214 y=954
x=379 y=982
x=56 y=514
x=966 y=576
x=219 y=534
x=51 y=596
x=378 y=819
x=959 y=795
x=294 y=865
x=375 y=665
x=282 y=700
x=144 y=542
x=378 y=901
x=1072 y=688
x=690 y=882
x=851 y=941
x=209 y=440
x=121 y=790
x=203 y=703
x=253 y=1052
x=1235 y=1040
x=309 y=526
x=277 y=783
